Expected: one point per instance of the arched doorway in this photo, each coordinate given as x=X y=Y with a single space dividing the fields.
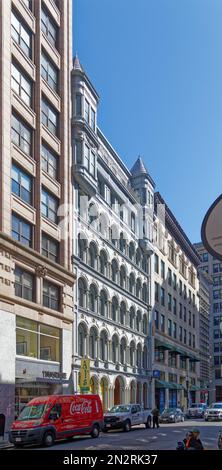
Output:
x=94 y=385
x=104 y=393
x=119 y=391
x=133 y=392
x=145 y=395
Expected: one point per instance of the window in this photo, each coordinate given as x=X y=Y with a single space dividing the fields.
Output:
x=183 y=267
x=87 y=107
x=48 y=27
x=189 y=318
x=21 y=84
x=78 y=105
x=37 y=340
x=169 y=276
x=194 y=341
x=162 y=323
x=172 y=362
x=159 y=355
x=170 y=327
x=185 y=292
x=193 y=320
x=180 y=287
x=184 y=314
x=172 y=254
x=162 y=296
x=51 y=295
x=24 y=284
x=180 y=311
x=174 y=330
x=49 y=162
x=162 y=269
x=204 y=257
x=21 y=135
x=189 y=339
x=185 y=336
x=156 y=319
x=174 y=306
x=49 y=117
x=21 y=35
x=50 y=248
x=92 y=169
x=180 y=333
x=156 y=292
x=49 y=206
x=28 y=3
x=21 y=184
x=21 y=230
x=107 y=194
x=49 y=72
x=93 y=119
x=174 y=281
x=217 y=294
x=183 y=363
x=169 y=302
x=156 y=264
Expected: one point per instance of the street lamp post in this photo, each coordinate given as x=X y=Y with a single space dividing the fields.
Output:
x=187 y=387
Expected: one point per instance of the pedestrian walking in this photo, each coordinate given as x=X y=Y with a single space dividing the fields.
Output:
x=156 y=415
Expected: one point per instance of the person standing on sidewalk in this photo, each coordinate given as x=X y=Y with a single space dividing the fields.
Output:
x=156 y=414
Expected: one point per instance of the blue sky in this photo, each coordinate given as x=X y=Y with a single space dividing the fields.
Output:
x=157 y=66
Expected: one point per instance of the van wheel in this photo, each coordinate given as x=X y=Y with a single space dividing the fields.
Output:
x=127 y=426
x=148 y=423
x=48 y=439
x=95 y=431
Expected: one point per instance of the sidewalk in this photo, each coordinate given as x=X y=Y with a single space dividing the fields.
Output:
x=5 y=444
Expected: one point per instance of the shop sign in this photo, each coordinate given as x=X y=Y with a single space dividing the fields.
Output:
x=85 y=375
x=47 y=374
x=156 y=374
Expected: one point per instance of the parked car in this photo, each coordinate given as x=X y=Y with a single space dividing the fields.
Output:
x=46 y=419
x=126 y=416
x=196 y=410
x=172 y=415
x=214 y=412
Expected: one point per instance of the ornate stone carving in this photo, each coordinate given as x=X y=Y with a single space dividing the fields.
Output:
x=41 y=271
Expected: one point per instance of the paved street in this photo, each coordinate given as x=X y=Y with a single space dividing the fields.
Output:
x=139 y=438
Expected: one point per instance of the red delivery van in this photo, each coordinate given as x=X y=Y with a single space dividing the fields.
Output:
x=46 y=419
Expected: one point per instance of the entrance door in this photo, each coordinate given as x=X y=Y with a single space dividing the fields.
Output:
x=172 y=398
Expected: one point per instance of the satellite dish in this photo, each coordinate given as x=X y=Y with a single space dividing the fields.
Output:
x=211 y=230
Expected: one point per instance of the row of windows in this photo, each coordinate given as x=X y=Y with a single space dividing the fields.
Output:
x=22 y=35
x=86 y=156
x=217 y=320
x=97 y=347
x=172 y=361
x=25 y=288
x=172 y=330
x=160 y=296
x=98 y=302
x=22 y=231
x=172 y=279
x=83 y=108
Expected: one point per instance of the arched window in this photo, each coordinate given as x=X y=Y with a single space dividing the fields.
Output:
x=145 y=292
x=132 y=251
x=138 y=288
x=103 y=303
x=122 y=313
x=145 y=357
x=114 y=269
x=132 y=283
x=82 y=248
x=81 y=340
x=103 y=346
x=132 y=318
x=123 y=351
x=93 y=255
x=132 y=353
x=139 y=356
x=82 y=291
x=138 y=320
x=93 y=335
x=138 y=257
x=123 y=277
x=145 y=325
x=115 y=345
x=103 y=263
x=93 y=298
x=122 y=243
x=115 y=306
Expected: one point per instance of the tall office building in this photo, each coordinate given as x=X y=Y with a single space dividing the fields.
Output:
x=213 y=267
x=205 y=283
x=36 y=280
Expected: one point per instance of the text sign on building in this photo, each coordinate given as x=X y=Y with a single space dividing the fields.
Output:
x=85 y=375
x=211 y=230
x=156 y=374
x=53 y=375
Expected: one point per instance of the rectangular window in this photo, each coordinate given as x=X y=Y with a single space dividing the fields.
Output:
x=21 y=84
x=180 y=333
x=169 y=327
x=194 y=341
x=21 y=135
x=169 y=277
x=204 y=257
x=185 y=336
x=50 y=248
x=50 y=117
x=87 y=107
x=156 y=264
x=24 y=284
x=87 y=157
x=21 y=230
x=162 y=323
x=51 y=297
x=162 y=296
x=21 y=184
x=174 y=306
x=49 y=206
x=169 y=302
x=93 y=164
x=49 y=162
x=180 y=311
x=180 y=287
x=162 y=269
x=193 y=320
x=189 y=339
x=49 y=72
x=78 y=152
x=78 y=105
x=184 y=314
x=174 y=281
x=133 y=222
x=37 y=340
x=183 y=363
x=48 y=27
x=156 y=292
x=93 y=119
x=21 y=35
x=189 y=318
x=174 y=330
x=156 y=319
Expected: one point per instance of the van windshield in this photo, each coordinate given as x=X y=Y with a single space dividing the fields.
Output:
x=32 y=412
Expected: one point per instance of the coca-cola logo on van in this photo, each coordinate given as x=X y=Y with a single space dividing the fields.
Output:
x=82 y=407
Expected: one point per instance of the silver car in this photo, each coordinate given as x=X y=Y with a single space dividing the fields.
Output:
x=172 y=415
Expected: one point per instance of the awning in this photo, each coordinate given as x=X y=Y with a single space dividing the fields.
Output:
x=163 y=345
x=194 y=388
x=169 y=385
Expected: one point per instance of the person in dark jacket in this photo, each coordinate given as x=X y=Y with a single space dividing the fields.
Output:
x=156 y=414
x=192 y=441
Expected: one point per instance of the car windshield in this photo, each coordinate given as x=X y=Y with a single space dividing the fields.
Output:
x=170 y=410
x=197 y=405
x=32 y=412
x=217 y=406
x=120 y=409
